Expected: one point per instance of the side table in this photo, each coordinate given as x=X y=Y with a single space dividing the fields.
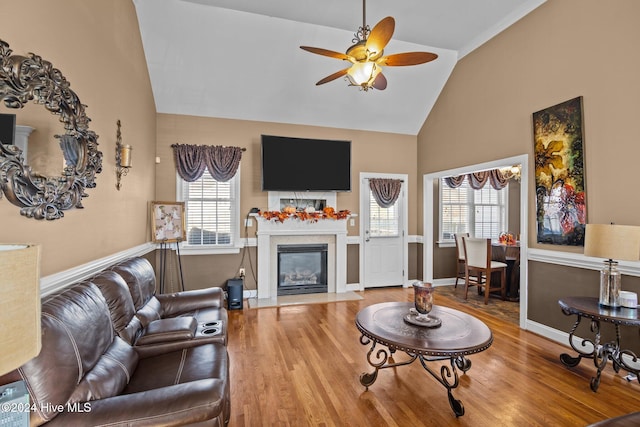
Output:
x=589 y=308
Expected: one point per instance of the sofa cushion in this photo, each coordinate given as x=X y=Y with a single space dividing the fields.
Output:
x=203 y=403
x=76 y=332
x=139 y=275
x=123 y=313
x=110 y=375
x=179 y=367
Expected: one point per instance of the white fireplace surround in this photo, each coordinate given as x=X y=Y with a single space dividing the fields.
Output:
x=271 y=233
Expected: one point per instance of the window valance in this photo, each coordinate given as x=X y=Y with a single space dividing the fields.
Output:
x=192 y=160
x=385 y=191
x=477 y=180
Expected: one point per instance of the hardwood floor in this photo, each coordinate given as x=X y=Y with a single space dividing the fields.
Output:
x=300 y=366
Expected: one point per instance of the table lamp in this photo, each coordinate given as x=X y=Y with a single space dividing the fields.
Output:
x=20 y=340
x=612 y=241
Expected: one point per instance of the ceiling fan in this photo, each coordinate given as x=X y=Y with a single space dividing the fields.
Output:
x=366 y=55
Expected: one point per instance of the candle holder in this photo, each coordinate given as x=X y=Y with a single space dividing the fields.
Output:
x=123 y=157
x=422 y=306
x=423 y=300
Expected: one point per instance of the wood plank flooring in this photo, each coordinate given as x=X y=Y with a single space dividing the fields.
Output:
x=300 y=366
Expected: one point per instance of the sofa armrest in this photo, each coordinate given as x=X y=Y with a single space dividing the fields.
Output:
x=628 y=420
x=181 y=302
x=179 y=404
x=167 y=330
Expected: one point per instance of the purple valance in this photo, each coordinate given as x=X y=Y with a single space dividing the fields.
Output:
x=385 y=191
x=192 y=160
x=477 y=180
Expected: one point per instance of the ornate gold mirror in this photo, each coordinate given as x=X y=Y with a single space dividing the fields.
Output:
x=30 y=78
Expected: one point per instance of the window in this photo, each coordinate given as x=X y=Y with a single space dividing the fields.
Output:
x=383 y=222
x=211 y=216
x=481 y=213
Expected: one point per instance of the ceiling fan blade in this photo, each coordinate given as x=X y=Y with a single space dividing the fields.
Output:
x=333 y=76
x=380 y=82
x=407 y=58
x=381 y=34
x=325 y=52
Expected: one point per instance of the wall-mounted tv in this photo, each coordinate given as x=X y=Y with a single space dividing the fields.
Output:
x=7 y=128
x=300 y=164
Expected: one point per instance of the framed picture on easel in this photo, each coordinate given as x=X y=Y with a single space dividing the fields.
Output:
x=167 y=222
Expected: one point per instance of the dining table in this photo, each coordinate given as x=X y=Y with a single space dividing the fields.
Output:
x=510 y=255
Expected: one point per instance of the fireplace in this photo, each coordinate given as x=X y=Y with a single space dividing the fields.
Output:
x=271 y=234
x=302 y=269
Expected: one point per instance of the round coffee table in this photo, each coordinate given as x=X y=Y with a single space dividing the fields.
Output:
x=458 y=336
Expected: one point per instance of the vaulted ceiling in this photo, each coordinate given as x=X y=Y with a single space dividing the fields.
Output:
x=240 y=59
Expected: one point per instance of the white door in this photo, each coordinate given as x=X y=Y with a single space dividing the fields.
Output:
x=384 y=242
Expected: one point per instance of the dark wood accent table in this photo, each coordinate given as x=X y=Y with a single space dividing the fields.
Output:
x=510 y=255
x=458 y=336
x=593 y=349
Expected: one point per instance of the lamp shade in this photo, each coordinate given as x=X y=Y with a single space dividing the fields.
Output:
x=20 y=313
x=612 y=241
x=363 y=73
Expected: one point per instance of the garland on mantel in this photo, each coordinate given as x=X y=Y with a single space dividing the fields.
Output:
x=311 y=216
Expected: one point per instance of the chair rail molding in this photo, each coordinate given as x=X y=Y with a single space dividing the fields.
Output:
x=54 y=282
x=570 y=259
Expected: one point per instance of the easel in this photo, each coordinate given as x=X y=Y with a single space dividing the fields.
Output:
x=164 y=248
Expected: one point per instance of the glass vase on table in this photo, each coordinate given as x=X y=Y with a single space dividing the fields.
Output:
x=423 y=300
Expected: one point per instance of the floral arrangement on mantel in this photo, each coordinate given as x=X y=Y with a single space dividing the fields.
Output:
x=308 y=214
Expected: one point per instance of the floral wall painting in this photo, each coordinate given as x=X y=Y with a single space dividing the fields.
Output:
x=167 y=222
x=559 y=174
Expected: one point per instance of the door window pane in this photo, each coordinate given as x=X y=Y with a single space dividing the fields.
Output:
x=383 y=222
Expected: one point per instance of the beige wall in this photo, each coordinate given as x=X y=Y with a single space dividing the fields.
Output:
x=371 y=152
x=563 y=49
x=97 y=46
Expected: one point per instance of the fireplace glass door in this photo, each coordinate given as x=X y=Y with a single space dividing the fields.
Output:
x=302 y=269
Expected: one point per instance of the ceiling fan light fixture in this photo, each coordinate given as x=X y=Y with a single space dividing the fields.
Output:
x=363 y=74
x=366 y=55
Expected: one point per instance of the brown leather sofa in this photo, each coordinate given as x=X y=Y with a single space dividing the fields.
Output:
x=628 y=420
x=115 y=353
x=158 y=323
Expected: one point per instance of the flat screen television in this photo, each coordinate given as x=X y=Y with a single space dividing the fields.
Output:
x=300 y=164
x=7 y=129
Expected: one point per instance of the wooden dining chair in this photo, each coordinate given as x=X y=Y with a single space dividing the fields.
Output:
x=479 y=264
x=460 y=262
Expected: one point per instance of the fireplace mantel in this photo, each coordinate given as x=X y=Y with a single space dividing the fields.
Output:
x=331 y=231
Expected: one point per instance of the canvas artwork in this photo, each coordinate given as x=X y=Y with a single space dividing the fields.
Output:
x=167 y=222
x=559 y=174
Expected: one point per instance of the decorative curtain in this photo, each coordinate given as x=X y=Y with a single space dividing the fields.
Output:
x=385 y=191
x=477 y=180
x=192 y=160
x=454 y=181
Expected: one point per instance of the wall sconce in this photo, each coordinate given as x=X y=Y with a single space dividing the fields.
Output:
x=123 y=158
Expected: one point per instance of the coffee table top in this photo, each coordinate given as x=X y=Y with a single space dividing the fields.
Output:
x=459 y=334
